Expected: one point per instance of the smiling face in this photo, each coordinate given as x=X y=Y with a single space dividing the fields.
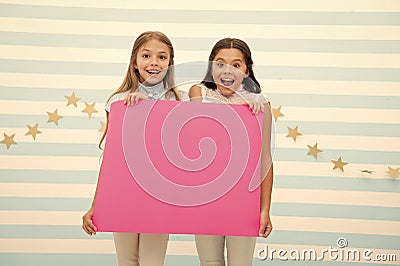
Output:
x=228 y=70
x=152 y=62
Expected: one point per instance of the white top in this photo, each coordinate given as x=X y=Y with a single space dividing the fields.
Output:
x=156 y=92
x=241 y=96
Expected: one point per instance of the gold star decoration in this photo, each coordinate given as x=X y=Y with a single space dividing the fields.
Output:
x=54 y=117
x=393 y=172
x=72 y=99
x=293 y=133
x=276 y=112
x=366 y=171
x=103 y=126
x=339 y=164
x=89 y=109
x=8 y=140
x=33 y=131
x=314 y=150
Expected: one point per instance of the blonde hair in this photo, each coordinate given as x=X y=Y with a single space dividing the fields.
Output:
x=132 y=77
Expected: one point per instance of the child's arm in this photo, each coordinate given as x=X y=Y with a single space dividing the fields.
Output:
x=195 y=94
x=267 y=174
x=87 y=223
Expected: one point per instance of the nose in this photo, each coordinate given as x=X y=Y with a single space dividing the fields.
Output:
x=154 y=61
x=227 y=69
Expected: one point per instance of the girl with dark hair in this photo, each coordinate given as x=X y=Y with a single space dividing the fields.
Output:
x=230 y=79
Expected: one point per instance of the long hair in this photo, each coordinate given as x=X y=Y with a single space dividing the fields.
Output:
x=132 y=77
x=250 y=82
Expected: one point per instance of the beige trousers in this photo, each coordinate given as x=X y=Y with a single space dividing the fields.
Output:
x=240 y=250
x=140 y=249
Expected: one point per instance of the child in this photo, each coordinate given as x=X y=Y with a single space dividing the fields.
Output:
x=230 y=79
x=149 y=75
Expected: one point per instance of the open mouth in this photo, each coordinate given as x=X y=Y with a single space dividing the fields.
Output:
x=153 y=72
x=227 y=82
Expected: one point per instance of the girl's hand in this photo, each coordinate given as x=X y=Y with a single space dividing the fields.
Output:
x=134 y=97
x=87 y=224
x=265 y=225
x=256 y=102
x=255 y=105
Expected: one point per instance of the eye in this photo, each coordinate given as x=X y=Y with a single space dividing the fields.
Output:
x=146 y=56
x=219 y=64
x=236 y=65
x=162 y=57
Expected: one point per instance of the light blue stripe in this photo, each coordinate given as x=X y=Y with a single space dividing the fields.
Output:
x=300 y=100
x=66 y=40
x=338 y=183
x=48 y=232
x=339 y=128
x=53 y=95
x=68 y=122
x=328 y=73
x=339 y=101
x=277 y=236
x=28 y=259
x=263 y=72
x=53 y=149
x=48 y=176
x=350 y=156
x=197 y=16
x=277 y=209
x=36 y=259
x=281 y=154
x=45 y=204
x=335 y=211
x=203 y=44
x=305 y=127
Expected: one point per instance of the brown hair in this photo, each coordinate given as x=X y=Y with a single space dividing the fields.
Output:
x=250 y=83
x=132 y=77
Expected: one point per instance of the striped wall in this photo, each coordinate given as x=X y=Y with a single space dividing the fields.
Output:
x=332 y=66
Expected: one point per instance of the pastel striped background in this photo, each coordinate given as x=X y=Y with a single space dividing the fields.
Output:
x=333 y=66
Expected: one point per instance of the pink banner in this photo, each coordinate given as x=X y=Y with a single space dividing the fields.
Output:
x=181 y=168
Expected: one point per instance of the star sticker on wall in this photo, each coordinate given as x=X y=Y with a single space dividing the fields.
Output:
x=293 y=133
x=54 y=117
x=366 y=171
x=72 y=99
x=8 y=140
x=103 y=126
x=314 y=150
x=339 y=164
x=393 y=172
x=89 y=109
x=276 y=112
x=33 y=131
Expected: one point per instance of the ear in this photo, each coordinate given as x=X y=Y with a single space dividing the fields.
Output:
x=247 y=73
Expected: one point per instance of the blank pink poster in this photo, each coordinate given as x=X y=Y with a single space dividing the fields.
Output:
x=180 y=168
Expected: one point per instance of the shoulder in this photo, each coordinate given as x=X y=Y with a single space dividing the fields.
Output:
x=196 y=91
x=258 y=97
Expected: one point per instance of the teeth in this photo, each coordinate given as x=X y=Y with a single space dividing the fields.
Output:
x=227 y=80
x=153 y=71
